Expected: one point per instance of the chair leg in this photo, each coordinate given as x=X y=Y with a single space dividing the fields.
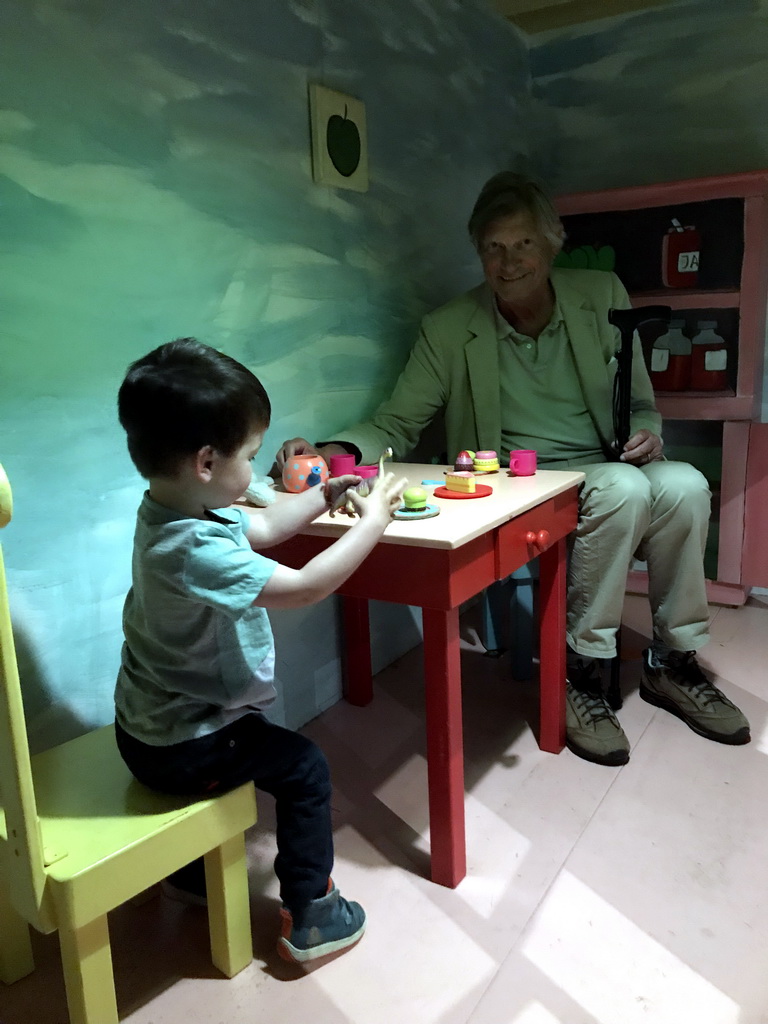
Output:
x=508 y=619
x=88 y=975
x=523 y=629
x=229 y=909
x=495 y=617
x=15 y=948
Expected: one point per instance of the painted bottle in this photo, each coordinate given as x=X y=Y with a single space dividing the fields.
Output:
x=709 y=358
x=680 y=253
x=671 y=359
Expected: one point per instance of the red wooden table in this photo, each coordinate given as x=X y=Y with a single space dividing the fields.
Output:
x=436 y=564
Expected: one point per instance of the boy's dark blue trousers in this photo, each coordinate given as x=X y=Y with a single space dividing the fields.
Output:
x=281 y=762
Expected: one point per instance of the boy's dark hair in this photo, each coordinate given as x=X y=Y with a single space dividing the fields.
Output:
x=183 y=396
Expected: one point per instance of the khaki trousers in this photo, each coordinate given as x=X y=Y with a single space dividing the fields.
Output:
x=660 y=513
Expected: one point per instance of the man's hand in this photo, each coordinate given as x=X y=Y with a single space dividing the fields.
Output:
x=642 y=448
x=300 y=446
x=289 y=449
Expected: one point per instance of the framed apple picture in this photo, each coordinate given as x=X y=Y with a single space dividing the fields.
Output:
x=339 y=139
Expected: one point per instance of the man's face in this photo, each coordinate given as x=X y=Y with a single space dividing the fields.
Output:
x=516 y=258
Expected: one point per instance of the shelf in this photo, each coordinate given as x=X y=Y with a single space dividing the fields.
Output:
x=643 y=197
x=682 y=298
x=695 y=394
x=730 y=215
x=705 y=405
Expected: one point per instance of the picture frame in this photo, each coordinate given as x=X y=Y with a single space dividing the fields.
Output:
x=339 y=139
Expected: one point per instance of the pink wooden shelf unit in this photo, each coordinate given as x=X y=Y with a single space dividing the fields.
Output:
x=740 y=293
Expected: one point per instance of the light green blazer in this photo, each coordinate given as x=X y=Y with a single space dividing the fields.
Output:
x=454 y=366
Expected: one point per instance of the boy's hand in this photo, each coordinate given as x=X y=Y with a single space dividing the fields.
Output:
x=336 y=486
x=385 y=498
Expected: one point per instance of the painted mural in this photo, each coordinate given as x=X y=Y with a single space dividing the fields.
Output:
x=675 y=92
x=155 y=182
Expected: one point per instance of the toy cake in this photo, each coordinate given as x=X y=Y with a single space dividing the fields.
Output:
x=461 y=481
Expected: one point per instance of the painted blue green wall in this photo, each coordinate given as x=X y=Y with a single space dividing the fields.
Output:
x=155 y=181
x=677 y=91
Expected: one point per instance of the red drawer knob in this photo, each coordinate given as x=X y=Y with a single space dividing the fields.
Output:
x=539 y=540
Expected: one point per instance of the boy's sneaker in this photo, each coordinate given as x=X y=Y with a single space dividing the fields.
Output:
x=327 y=925
x=679 y=686
x=592 y=731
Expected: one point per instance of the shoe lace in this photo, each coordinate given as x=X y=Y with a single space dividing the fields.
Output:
x=688 y=674
x=588 y=695
x=592 y=705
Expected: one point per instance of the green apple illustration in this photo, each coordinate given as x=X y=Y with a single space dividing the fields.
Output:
x=342 y=140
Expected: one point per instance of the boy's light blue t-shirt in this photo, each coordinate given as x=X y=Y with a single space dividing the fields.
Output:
x=197 y=654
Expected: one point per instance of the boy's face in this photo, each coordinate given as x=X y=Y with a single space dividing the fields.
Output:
x=231 y=474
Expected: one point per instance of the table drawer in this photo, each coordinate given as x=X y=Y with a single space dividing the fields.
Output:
x=528 y=535
x=439 y=578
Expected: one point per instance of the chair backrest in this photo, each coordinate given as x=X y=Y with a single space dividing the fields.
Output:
x=25 y=871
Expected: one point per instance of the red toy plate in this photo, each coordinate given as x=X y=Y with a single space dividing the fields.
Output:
x=481 y=491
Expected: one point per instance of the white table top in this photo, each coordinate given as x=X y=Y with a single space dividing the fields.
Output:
x=460 y=520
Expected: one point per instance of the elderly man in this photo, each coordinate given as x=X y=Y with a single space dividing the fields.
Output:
x=527 y=360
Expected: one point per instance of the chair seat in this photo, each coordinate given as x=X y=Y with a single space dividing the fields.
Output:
x=92 y=811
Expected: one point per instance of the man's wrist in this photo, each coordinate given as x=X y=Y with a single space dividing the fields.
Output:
x=342 y=448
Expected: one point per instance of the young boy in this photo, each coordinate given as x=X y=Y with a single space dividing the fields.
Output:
x=198 y=659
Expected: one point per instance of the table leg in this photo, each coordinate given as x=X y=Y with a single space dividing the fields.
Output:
x=445 y=746
x=357 y=659
x=552 y=648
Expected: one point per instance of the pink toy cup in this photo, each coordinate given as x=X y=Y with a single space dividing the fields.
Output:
x=522 y=462
x=341 y=464
x=366 y=471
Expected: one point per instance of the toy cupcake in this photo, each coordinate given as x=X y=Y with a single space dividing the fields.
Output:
x=463 y=462
x=486 y=462
x=415 y=499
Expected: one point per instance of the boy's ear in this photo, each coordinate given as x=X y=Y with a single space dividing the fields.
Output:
x=204 y=460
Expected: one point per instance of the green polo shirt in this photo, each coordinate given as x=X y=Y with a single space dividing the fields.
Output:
x=542 y=404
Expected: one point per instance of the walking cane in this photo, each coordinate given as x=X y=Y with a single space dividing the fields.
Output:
x=628 y=321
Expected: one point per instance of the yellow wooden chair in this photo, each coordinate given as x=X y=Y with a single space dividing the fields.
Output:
x=79 y=836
